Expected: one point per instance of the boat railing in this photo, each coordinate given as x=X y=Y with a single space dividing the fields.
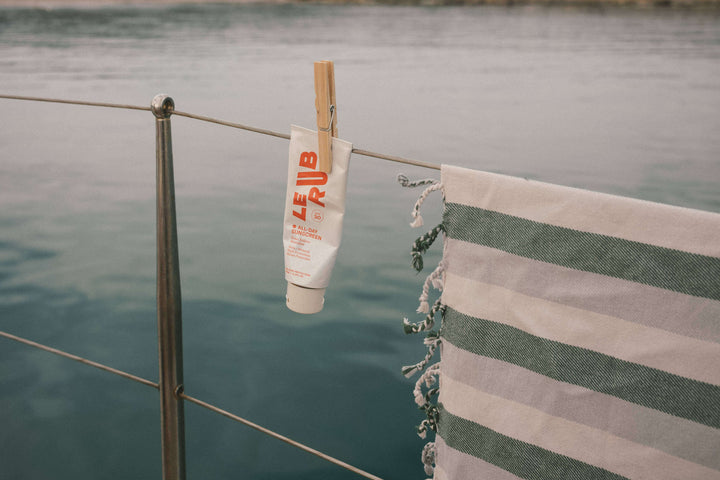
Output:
x=170 y=384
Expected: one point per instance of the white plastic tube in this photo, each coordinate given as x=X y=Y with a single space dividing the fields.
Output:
x=314 y=211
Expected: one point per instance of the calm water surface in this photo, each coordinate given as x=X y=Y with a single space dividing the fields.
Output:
x=619 y=101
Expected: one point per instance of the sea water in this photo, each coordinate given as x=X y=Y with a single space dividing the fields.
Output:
x=622 y=101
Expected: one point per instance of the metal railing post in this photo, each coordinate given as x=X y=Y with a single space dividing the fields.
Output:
x=172 y=416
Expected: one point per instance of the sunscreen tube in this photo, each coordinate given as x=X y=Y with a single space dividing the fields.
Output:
x=314 y=211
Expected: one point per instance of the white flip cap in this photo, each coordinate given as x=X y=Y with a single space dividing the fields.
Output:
x=304 y=300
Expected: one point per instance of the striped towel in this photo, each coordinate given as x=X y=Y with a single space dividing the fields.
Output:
x=580 y=335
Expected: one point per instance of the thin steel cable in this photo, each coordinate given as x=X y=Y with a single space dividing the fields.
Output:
x=196 y=401
x=287 y=440
x=231 y=124
x=358 y=151
x=394 y=158
x=75 y=102
x=263 y=131
x=79 y=359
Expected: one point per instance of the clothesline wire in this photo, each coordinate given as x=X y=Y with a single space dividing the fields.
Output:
x=82 y=360
x=357 y=151
x=196 y=401
x=75 y=102
x=278 y=436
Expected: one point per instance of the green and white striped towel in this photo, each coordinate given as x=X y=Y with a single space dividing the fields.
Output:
x=580 y=336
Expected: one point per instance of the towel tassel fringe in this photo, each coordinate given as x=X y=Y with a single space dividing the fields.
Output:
x=427 y=385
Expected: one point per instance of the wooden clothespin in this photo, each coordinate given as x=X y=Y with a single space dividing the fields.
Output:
x=326 y=107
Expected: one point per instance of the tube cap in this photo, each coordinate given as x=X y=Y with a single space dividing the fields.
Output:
x=304 y=300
